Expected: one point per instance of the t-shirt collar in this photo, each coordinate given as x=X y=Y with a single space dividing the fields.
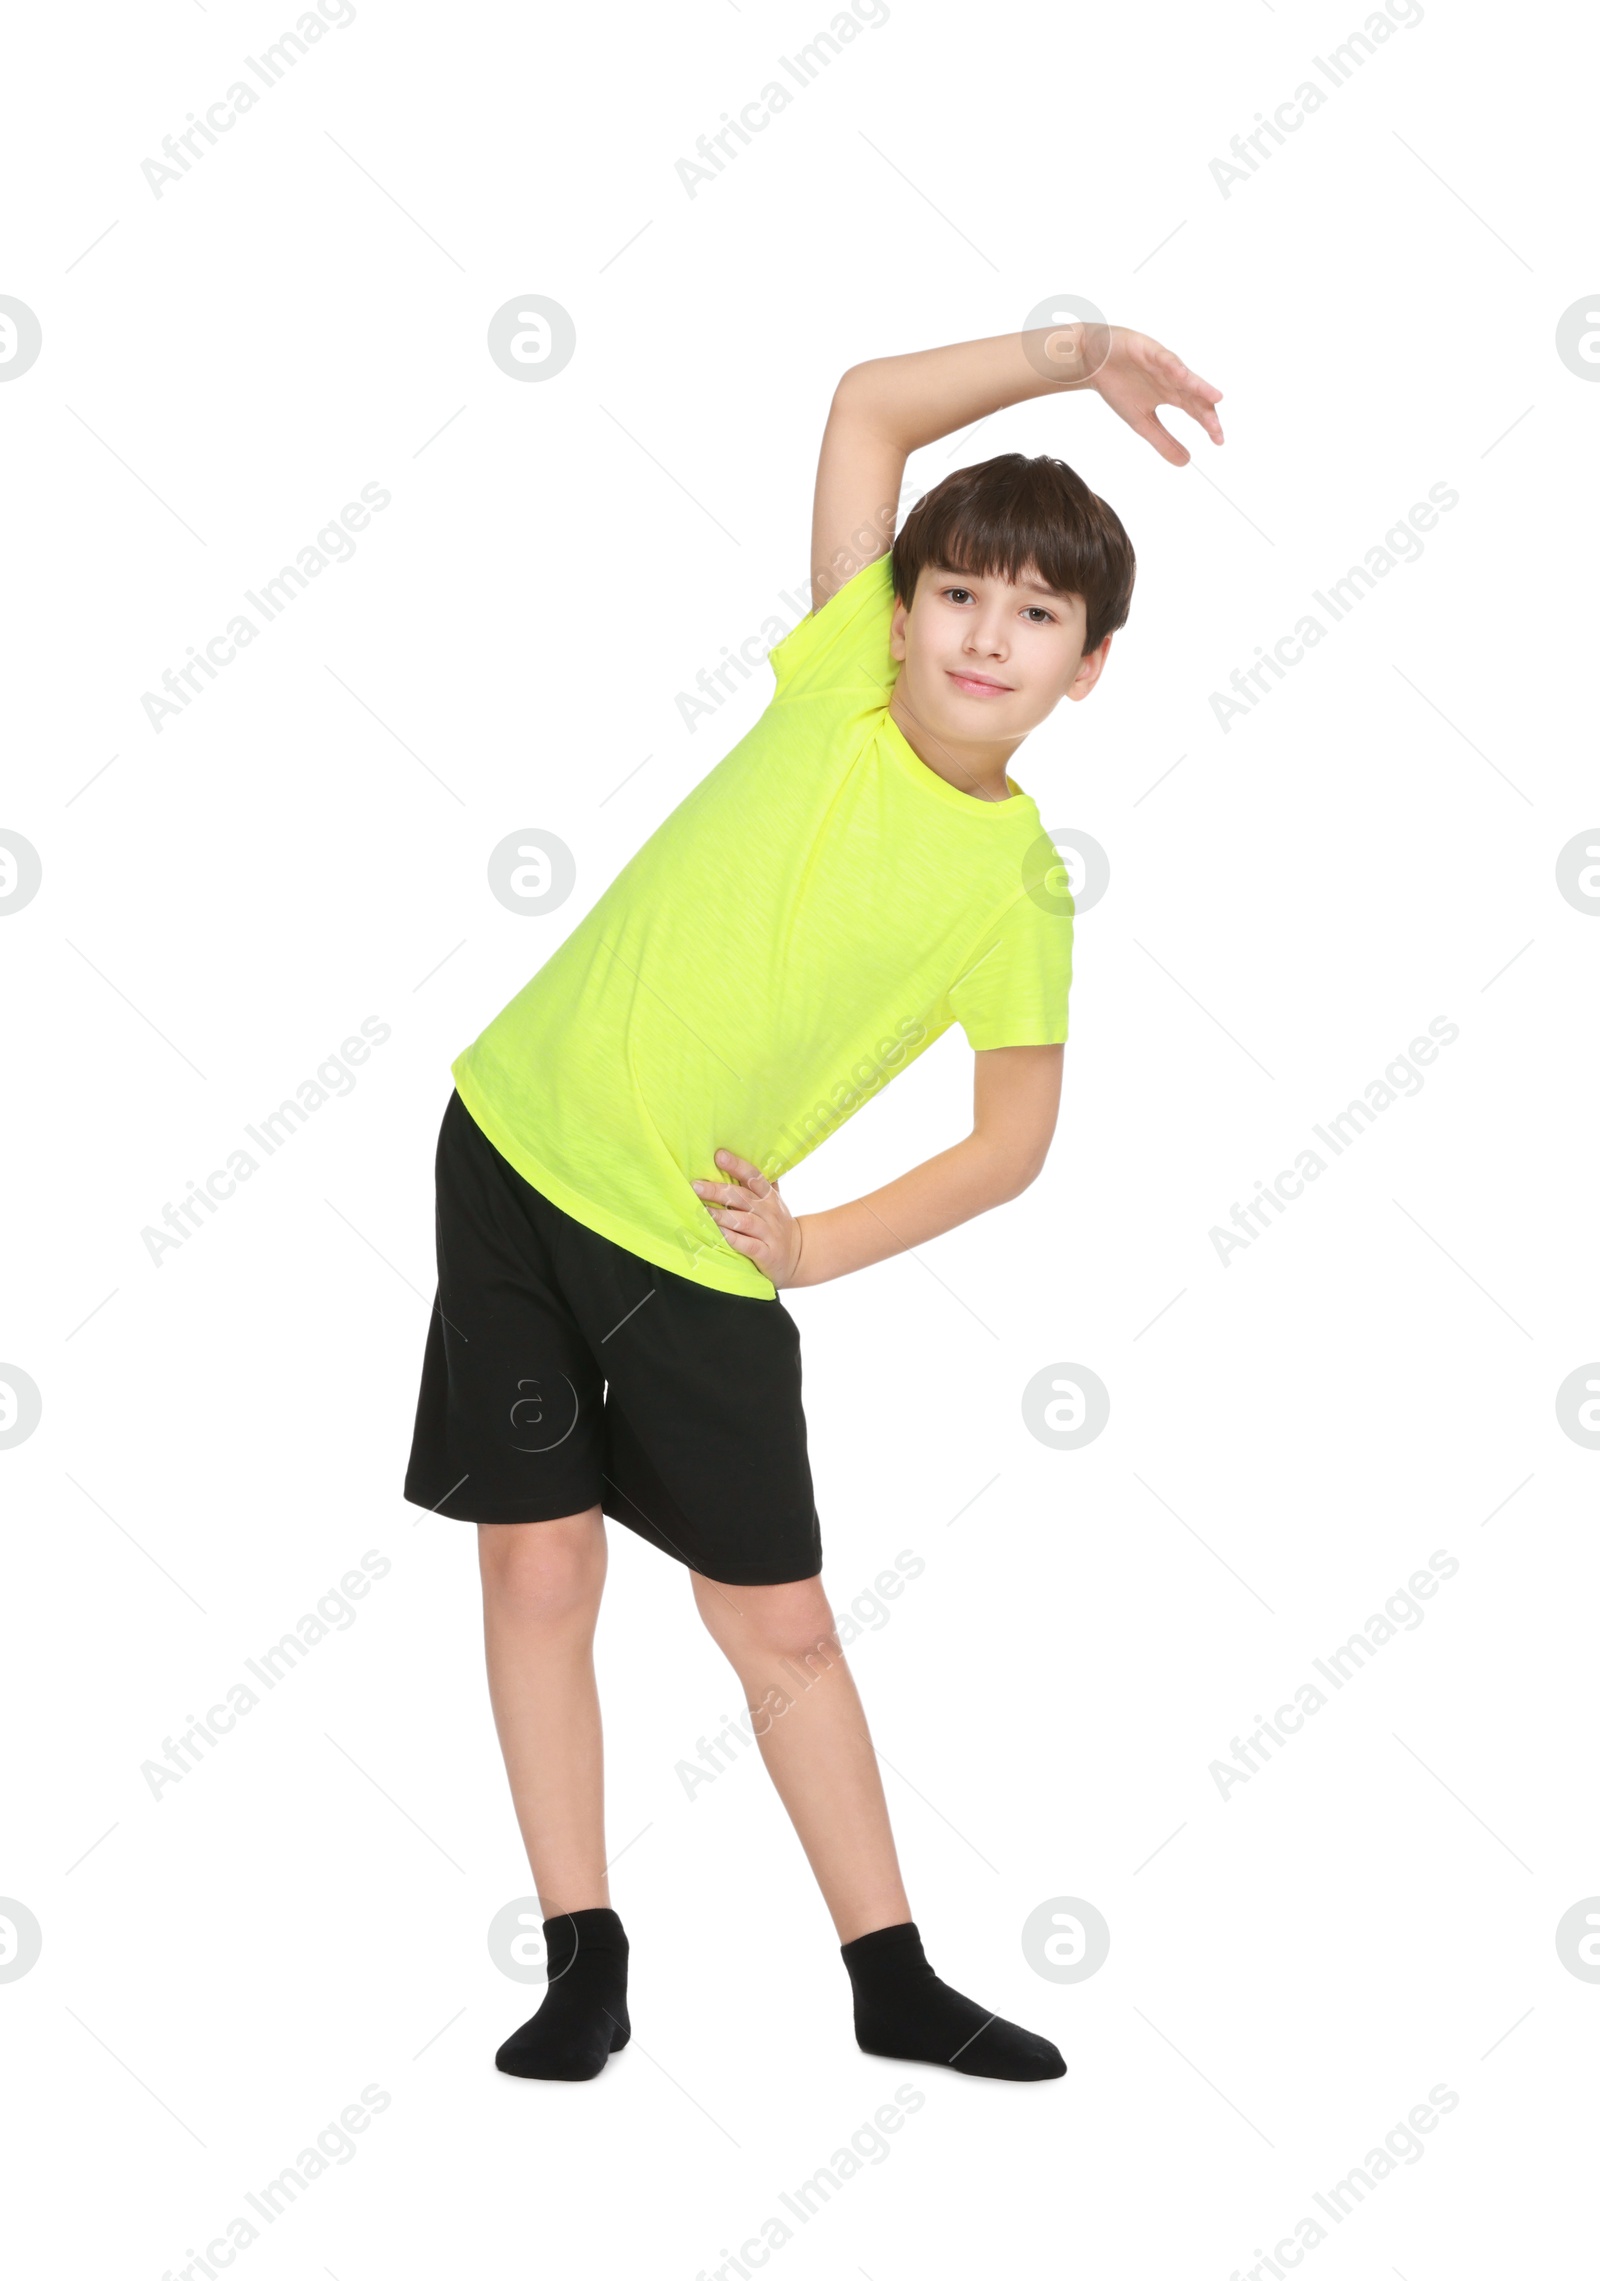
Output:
x=937 y=786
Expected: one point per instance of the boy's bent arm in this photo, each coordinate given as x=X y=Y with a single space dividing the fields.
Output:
x=1015 y=1096
x=887 y=408
x=923 y=1203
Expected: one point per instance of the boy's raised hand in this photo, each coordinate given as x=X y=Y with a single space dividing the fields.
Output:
x=753 y=1217
x=887 y=407
x=1134 y=374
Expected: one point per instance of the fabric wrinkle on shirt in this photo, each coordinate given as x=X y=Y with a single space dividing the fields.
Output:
x=815 y=913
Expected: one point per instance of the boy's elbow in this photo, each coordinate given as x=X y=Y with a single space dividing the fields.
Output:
x=1013 y=1170
x=858 y=392
x=1026 y=1178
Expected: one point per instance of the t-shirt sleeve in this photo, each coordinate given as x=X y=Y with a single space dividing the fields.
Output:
x=845 y=644
x=1014 y=989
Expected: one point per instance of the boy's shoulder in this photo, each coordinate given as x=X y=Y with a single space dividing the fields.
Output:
x=845 y=643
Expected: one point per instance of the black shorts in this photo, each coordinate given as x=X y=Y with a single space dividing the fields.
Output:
x=563 y=1372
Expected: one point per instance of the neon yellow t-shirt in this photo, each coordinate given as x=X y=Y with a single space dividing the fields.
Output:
x=818 y=910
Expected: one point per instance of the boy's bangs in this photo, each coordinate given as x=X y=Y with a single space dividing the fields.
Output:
x=1016 y=518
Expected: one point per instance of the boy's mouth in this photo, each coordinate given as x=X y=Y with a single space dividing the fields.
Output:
x=979 y=685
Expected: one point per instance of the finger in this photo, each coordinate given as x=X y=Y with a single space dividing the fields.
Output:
x=749 y=1173
x=1169 y=368
x=739 y=1241
x=720 y=1192
x=1166 y=444
x=1198 y=399
x=729 y=1192
x=1200 y=413
x=1191 y=394
x=746 y=1219
x=1203 y=389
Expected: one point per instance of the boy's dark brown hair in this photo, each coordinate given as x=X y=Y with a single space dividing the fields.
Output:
x=1012 y=515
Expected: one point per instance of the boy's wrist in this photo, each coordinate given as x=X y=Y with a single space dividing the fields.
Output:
x=1070 y=353
x=806 y=1256
x=825 y=1249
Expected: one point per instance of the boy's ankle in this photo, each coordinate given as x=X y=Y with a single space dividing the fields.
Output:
x=578 y=1931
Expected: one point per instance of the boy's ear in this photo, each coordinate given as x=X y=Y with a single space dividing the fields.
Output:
x=1090 y=667
x=897 y=633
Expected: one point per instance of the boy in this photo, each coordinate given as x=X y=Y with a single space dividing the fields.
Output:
x=856 y=875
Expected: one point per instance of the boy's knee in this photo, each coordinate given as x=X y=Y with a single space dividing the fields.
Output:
x=545 y=1570
x=788 y=1620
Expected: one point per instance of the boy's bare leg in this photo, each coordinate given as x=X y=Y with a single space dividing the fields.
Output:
x=541 y=1595
x=781 y=1641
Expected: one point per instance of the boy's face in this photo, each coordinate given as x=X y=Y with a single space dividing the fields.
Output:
x=983 y=662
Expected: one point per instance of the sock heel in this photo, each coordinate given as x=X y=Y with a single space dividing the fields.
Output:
x=584 y=2015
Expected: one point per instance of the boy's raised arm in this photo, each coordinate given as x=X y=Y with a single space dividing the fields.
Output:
x=887 y=408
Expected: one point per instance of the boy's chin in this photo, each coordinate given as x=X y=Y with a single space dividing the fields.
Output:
x=942 y=711
x=978 y=718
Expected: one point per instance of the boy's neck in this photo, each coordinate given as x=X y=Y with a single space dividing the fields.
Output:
x=978 y=770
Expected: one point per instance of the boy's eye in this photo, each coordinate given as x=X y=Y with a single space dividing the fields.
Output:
x=1035 y=612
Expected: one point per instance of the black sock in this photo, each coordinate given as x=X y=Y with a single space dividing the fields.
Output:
x=905 y=2011
x=584 y=2016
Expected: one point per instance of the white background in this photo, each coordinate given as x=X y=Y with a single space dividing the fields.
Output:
x=1293 y=1967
